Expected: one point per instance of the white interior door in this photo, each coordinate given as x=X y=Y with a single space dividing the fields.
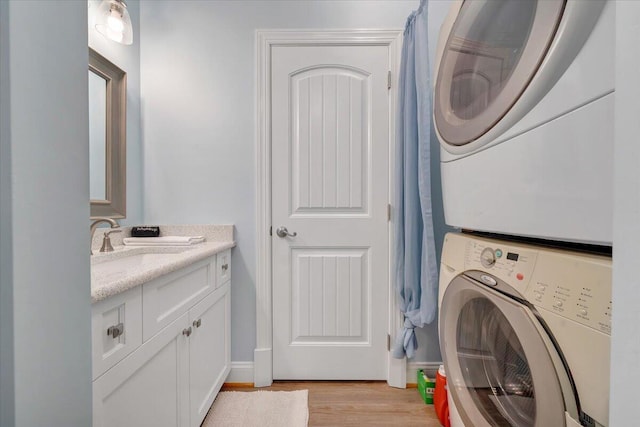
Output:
x=330 y=186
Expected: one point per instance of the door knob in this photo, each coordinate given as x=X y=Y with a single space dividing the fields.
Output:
x=283 y=232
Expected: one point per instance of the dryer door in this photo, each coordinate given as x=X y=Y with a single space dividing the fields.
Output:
x=491 y=54
x=502 y=369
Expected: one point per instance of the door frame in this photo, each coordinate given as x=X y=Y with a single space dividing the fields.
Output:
x=265 y=40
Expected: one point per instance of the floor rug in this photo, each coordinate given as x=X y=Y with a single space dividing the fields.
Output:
x=259 y=409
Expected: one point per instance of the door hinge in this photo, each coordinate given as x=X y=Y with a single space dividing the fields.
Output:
x=388 y=342
x=389 y=80
x=389 y=212
x=271 y=231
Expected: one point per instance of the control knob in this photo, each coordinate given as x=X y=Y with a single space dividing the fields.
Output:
x=488 y=257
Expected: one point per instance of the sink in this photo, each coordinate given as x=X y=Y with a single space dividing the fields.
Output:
x=131 y=261
x=125 y=261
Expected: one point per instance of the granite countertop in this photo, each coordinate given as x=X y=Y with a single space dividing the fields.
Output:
x=143 y=264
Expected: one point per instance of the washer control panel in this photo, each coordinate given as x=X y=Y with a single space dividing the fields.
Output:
x=575 y=286
x=578 y=288
x=513 y=265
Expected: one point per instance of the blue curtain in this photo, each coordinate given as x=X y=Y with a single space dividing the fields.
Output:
x=416 y=275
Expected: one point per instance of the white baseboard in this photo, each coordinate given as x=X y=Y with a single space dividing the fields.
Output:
x=263 y=367
x=241 y=372
x=412 y=368
x=397 y=372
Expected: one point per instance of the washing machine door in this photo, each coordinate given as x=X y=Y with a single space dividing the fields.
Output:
x=492 y=52
x=502 y=369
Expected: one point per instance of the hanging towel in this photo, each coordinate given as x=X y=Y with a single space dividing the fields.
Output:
x=415 y=270
x=163 y=241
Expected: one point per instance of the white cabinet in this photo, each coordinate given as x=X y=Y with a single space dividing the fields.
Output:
x=150 y=387
x=175 y=350
x=168 y=297
x=223 y=267
x=116 y=327
x=209 y=350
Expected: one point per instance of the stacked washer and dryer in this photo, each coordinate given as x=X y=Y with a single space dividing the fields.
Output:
x=523 y=109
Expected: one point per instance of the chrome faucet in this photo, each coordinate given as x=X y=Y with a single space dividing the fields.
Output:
x=94 y=225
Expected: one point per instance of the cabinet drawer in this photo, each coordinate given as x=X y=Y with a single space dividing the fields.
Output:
x=224 y=267
x=167 y=298
x=121 y=317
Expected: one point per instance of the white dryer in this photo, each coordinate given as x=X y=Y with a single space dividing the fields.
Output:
x=523 y=108
x=524 y=333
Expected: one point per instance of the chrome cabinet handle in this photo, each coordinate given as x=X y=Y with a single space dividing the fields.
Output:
x=187 y=331
x=197 y=323
x=115 y=331
x=283 y=232
x=225 y=267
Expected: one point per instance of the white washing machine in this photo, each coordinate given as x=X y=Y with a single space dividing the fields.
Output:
x=524 y=333
x=523 y=108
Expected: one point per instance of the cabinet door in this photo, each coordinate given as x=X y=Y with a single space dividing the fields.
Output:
x=149 y=387
x=124 y=313
x=223 y=267
x=209 y=351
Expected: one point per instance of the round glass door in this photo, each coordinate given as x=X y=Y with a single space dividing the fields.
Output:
x=499 y=379
x=492 y=53
x=501 y=371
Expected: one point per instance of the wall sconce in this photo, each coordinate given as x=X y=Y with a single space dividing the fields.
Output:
x=113 y=21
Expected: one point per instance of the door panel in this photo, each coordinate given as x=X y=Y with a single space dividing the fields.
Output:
x=330 y=185
x=330 y=292
x=329 y=113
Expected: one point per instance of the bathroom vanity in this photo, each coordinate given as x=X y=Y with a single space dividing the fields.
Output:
x=160 y=334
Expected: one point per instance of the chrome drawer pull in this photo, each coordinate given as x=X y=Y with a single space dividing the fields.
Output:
x=187 y=331
x=197 y=323
x=115 y=331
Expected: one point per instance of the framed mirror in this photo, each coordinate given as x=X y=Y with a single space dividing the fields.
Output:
x=107 y=137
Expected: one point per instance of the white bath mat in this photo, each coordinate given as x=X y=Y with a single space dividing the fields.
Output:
x=259 y=409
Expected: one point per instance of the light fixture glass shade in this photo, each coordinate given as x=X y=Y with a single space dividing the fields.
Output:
x=113 y=21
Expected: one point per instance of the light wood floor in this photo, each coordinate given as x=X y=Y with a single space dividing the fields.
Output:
x=358 y=403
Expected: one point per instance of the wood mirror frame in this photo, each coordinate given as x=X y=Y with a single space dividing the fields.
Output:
x=114 y=205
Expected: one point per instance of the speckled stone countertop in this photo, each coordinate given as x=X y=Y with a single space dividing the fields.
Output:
x=106 y=282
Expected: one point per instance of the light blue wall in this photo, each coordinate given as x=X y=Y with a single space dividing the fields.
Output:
x=45 y=369
x=198 y=98
x=6 y=254
x=625 y=340
x=128 y=59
